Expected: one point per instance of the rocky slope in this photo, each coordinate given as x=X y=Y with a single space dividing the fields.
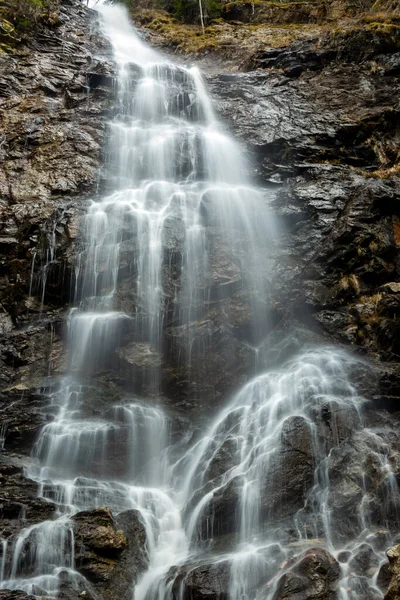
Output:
x=321 y=138
x=319 y=118
x=54 y=101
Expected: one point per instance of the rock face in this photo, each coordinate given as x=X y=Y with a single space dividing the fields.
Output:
x=110 y=558
x=317 y=139
x=315 y=575
x=18 y=498
x=320 y=131
x=15 y=595
x=393 y=591
x=329 y=151
x=200 y=583
x=55 y=97
x=283 y=492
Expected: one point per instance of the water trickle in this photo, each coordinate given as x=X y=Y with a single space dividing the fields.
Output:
x=182 y=227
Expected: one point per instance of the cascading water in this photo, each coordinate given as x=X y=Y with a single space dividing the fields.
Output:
x=178 y=181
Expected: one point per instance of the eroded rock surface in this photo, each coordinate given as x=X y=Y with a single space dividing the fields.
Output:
x=200 y=583
x=55 y=94
x=322 y=133
x=315 y=575
x=393 y=591
x=15 y=595
x=110 y=553
x=326 y=142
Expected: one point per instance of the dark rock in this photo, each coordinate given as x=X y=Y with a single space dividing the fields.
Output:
x=15 y=595
x=110 y=558
x=384 y=576
x=360 y=586
x=315 y=575
x=379 y=540
x=393 y=591
x=220 y=516
x=339 y=225
x=223 y=459
x=390 y=63
x=327 y=131
x=202 y=583
x=283 y=490
x=291 y=473
x=19 y=504
x=53 y=129
x=365 y=561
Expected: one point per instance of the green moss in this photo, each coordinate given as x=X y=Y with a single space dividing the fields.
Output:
x=8 y=36
x=25 y=15
x=6 y=48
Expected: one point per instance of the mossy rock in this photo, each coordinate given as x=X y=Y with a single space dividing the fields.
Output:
x=364 y=42
x=26 y=15
x=274 y=13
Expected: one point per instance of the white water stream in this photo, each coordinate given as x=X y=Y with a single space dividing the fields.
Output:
x=169 y=158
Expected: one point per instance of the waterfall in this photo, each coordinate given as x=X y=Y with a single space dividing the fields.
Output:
x=226 y=496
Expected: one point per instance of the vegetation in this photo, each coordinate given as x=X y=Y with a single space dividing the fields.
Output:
x=200 y=26
x=19 y=17
x=296 y=11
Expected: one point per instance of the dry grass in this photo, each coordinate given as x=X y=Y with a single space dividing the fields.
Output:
x=19 y=17
x=350 y=283
x=381 y=173
x=230 y=38
x=220 y=36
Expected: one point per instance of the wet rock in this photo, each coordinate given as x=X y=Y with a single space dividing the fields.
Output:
x=379 y=540
x=365 y=562
x=223 y=459
x=15 y=595
x=219 y=516
x=320 y=129
x=315 y=575
x=283 y=491
x=291 y=473
x=110 y=558
x=136 y=362
x=22 y=417
x=384 y=576
x=293 y=59
x=19 y=504
x=203 y=582
x=339 y=248
x=53 y=130
x=393 y=591
x=359 y=482
x=360 y=586
x=216 y=366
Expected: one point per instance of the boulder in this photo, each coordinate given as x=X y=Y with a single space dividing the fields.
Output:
x=315 y=575
x=205 y=582
x=393 y=591
x=110 y=558
x=364 y=562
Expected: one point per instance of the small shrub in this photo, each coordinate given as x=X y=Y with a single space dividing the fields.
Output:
x=24 y=14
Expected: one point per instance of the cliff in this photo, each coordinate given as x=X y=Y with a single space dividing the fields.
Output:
x=311 y=90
